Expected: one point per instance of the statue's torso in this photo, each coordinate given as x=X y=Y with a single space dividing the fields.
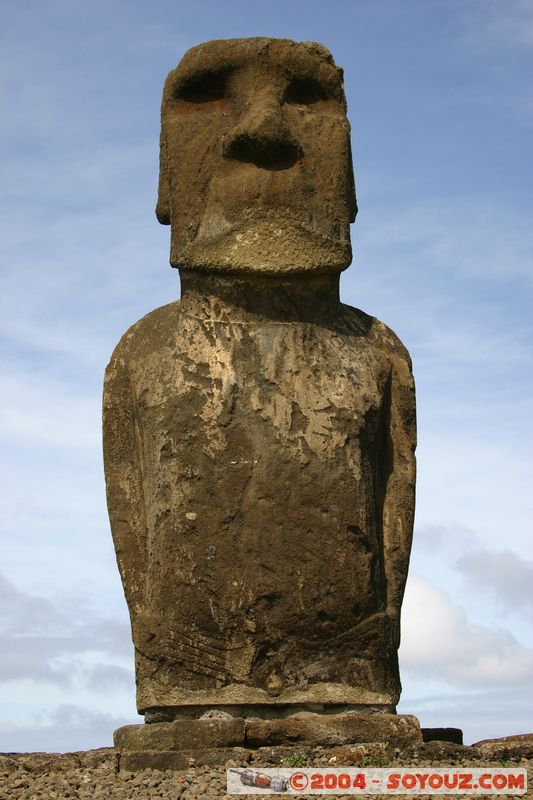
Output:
x=264 y=452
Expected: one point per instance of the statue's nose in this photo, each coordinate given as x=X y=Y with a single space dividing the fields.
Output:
x=262 y=137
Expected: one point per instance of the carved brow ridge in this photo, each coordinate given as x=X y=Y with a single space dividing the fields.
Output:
x=195 y=77
x=213 y=66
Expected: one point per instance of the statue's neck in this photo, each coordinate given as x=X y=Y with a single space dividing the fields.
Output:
x=238 y=298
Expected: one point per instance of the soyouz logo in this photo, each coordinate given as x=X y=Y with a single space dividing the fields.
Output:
x=351 y=780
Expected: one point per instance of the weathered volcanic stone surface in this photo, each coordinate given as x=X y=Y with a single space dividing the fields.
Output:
x=173 y=745
x=259 y=435
x=255 y=159
x=163 y=760
x=171 y=775
x=260 y=478
x=180 y=735
x=519 y=745
x=308 y=729
x=328 y=730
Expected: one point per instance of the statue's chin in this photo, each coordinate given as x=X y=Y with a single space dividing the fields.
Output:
x=271 y=247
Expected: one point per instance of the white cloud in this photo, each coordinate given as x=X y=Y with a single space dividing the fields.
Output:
x=502 y=574
x=440 y=540
x=467 y=479
x=439 y=642
x=67 y=644
x=65 y=728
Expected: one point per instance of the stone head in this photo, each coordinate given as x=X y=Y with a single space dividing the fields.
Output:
x=256 y=171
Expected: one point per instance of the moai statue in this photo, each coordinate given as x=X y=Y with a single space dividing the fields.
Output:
x=259 y=435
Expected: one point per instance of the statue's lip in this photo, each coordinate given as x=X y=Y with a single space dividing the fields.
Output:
x=258 y=225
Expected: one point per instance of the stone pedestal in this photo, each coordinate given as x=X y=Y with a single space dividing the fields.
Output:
x=178 y=744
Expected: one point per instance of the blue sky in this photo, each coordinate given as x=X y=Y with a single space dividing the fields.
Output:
x=441 y=110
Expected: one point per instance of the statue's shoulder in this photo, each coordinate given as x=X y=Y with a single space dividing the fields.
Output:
x=147 y=335
x=378 y=335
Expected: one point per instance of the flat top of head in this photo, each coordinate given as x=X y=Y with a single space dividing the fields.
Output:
x=238 y=49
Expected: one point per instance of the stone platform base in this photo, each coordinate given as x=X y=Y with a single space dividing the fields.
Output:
x=94 y=773
x=173 y=745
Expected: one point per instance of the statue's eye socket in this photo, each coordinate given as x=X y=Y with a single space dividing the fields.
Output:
x=304 y=91
x=204 y=88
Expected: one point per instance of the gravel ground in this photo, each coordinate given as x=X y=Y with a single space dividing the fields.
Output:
x=93 y=774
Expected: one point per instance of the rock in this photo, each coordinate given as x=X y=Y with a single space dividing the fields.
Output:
x=329 y=730
x=94 y=758
x=439 y=751
x=180 y=735
x=60 y=777
x=454 y=735
x=517 y=746
x=214 y=713
x=259 y=435
x=135 y=761
x=179 y=744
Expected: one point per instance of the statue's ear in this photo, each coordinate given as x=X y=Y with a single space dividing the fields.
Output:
x=162 y=209
x=352 y=199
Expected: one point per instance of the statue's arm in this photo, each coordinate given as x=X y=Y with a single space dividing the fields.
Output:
x=399 y=499
x=124 y=482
